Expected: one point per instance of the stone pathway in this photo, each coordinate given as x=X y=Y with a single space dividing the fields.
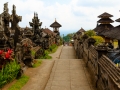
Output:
x=63 y=72
x=69 y=73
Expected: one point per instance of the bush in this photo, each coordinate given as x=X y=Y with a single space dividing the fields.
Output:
x=98 y=40
x=90 y=33
x=33 y=53
x=9 y=72
x=46 y=55
x=52 y=48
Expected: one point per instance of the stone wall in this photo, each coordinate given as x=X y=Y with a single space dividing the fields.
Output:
x=105 y=74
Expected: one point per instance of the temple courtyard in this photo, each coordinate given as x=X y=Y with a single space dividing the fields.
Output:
x=63 y=72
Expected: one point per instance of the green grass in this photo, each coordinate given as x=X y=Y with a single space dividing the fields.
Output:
x=52 y=48
x=33 y=53
x=9 y=73
x=19 y=83
x=37 y=63
x=53 y=51
x=46 y=55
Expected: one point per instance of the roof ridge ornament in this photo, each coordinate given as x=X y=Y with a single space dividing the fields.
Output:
x=55 y=20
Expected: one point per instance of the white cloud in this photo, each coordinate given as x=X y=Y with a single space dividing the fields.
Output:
x=72 y=15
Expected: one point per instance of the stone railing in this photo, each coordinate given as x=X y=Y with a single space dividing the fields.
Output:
x=105 y=74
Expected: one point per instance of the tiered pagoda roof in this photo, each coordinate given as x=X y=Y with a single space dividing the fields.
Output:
x=104 y=25
x=114 y=32
x=105 y=20
x=105 y=15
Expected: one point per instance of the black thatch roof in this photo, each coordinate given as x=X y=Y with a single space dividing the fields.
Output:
x=117 y=20
x=105 y=15
x=102 y=28
x=105 y=20
x=113 y=33
x=55 y=24
x=80 y=31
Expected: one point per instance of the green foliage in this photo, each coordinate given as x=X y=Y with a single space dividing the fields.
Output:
x=68 y=37
x=32 y=53
x=37 y=63
x=98 y=39
x=46 y=55
x=19 y=83
x=90 y=33
x=52 y=47
x=9 y=72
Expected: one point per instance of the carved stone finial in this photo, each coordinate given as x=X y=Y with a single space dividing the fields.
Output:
x=36 y=15
x=14 y=7
x=6 y=7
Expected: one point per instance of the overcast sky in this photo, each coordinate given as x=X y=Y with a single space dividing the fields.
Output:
x=71 y=14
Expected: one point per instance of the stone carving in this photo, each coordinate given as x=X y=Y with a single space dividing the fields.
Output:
x=14 y=19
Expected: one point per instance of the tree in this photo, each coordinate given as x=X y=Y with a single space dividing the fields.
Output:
x=90 y=33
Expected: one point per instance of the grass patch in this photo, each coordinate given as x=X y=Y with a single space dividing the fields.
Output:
x=33 y=53
x=52 y=48
x=53 y=51
x=37 y=63
x=46 y=55
x=19 y=83
x=9 y=73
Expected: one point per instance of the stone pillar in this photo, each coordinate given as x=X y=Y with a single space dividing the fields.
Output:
x=80 y=41
x=84 y=37
x=101 y=49
x=91 y=41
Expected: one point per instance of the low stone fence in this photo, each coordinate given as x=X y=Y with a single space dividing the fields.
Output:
x=105 y=74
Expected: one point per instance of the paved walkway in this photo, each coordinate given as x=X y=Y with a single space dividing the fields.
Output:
x=69 y=73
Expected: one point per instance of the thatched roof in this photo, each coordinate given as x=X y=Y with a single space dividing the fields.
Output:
x=81 y=30
x=105 y=20
x=113 y=33
x=117 y=20
x=55 y=24
x=102 y=28
x=105 y=15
